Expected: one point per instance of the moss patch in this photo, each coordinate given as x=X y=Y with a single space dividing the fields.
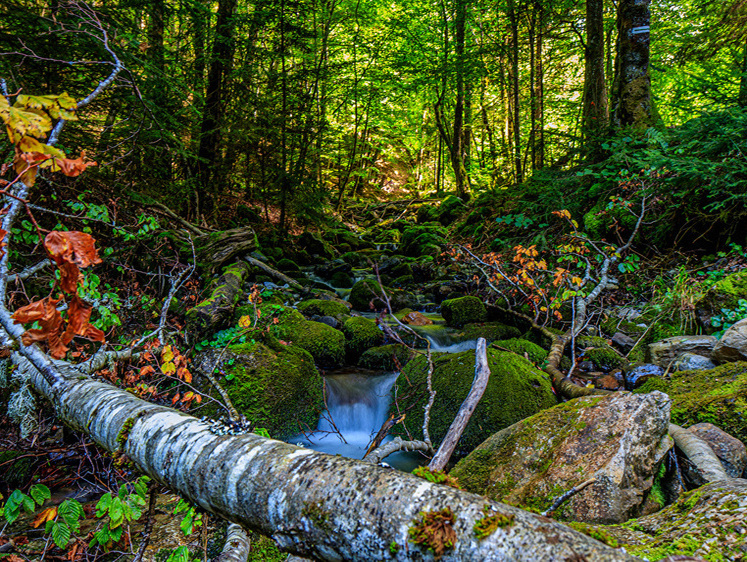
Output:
x=319 y=307
x=463 y=310
x=491 y=331
x=524 y=348
x=278 y=389
x=516 y=389
x=717 y=396
x=391 y=357
x=360 y=334
x=326 y=345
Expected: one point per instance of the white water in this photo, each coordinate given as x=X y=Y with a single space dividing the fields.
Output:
x=451 y=347
x=357 y=407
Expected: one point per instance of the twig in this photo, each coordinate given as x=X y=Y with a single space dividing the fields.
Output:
x=148 y=522
x=568 y=495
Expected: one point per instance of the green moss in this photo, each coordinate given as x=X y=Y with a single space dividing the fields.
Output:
x=516 y=389
x=436 y=476
x=717 y=396
x=319 y=307
x=360 y=334
x=434 y=531
x=524 y=348
x=317 y=515
x=490 y=522
x=124 y=433
x=595 y=532
x=463 y=310
x=325 y=344
x=491 y=331
x=391 y=357
x=422 y=240
x=278 y=389
x=364 y=293
x=16 y=471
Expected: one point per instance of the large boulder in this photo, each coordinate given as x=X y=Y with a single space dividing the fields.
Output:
x=275 y=386
x=326 y=345
x=705 y=523
x=731 y=451
x=360 y=334
x=319 y=307
x=665 y=352
x=390 y=357
x=717 y=396
x=463 y=310
x=619 y=440
x=516 y=389
x=366 y=295
x=733 y=344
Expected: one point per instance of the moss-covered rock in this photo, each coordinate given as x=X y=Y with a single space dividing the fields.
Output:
x=423 y=240
x=491 y=331
x=360 y=335
x=723 y=294
x=215 y=312
x=463 y=310
x=450 y=209
x=366 y=293
x=516 y=389
x=277 y=387
x=392 y=357
x=341 y=279
x=318 y=307
x=326 y=345
x=524 y=348
x=288 y=266
x=599 y=352
x=717 y=396
x=427 y=213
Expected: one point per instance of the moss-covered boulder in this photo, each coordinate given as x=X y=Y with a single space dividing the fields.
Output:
x=524 y=348
x=717 y=396
x=620 y=439
x=288 y=266
x=392 y=357
x=423 y=240
x=599 y=352
x=427 y=213
x=491 y=331
x=17 y=468
x=216 y=311
x=275 y=386
x=723 y=294
x=516 y=390
x=463 y=310
x=317 y=307
x=326 y=345
x=365 y=294
x=360 y=335
x=450 y=209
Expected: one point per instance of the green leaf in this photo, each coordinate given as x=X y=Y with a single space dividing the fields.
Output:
x=40 y=493
x=60 y=534
x=71 y=511
x=116 y=513
x=103 y=506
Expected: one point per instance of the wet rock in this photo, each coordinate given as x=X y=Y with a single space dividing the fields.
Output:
x=360 y=335
x=391 y=357
x=640 y=374
x=664 y=352
x=731 y=451
x=618 y=439
x=415 y=318
x=328 y=320
x=463 y=310
x=692 y=362
x=733 y=344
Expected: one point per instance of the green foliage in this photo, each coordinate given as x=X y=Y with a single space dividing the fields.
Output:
x=106 y=300
x=17 y=500
x=192 y=518
x=436 y=476
x=517 y=220
x=182 y=554
x=728 y=317
x=229 y=336
x=124 y=507
x=66 y=524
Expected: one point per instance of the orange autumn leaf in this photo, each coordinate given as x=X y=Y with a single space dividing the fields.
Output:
x=46 y=515
x=175 y=399
x=78 y=315
x=147 y=370
x=72 y=247
x=184 y=374
x=72 y=167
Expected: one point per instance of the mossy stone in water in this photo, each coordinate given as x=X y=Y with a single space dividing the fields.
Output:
x=392 y=357
x=463 y=310
x=320 y=307
x=491 y=331
x=364 y=293
x=360 y=335
x=326 y=345
x=516 y=390
x=279 y=389
x=717 y=396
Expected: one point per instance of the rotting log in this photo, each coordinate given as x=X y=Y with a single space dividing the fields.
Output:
x=312 y=504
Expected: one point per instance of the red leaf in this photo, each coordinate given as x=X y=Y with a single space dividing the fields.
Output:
x=72 y=247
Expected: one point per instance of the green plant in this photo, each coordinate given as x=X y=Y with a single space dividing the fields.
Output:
x=66 y=522
x=517 y=220
x=192 y=519
x=124 y=507
x=105 y=300
x=224 y=338
x=37 y=495
x=181 y=554
x=728 y=317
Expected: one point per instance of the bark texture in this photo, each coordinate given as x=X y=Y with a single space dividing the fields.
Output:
x=312 y=504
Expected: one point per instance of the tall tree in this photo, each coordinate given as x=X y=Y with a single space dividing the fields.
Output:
x=595 y=111
x=631 y=91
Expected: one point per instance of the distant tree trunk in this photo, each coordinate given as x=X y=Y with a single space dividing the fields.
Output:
x=513 y=19
x=743 y=82
x=458 y=140
x=596 y=112
x=632 y=86
x=539 y=79
x=220 y=68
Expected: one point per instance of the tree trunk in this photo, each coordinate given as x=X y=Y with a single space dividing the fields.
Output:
x=596 y=113
x=312 y=504
x=743 y=81
x=513 y=19
x=220 y=67
x=632 y=86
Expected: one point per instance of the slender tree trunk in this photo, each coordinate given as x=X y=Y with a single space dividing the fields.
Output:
x=595 y=112
x=458 y=140
x=743 y=81
x=632 y=86
x=540 y=80
x=514 y=22
x=220 y=67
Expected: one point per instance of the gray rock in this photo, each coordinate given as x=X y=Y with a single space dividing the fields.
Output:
x=640 y=374
x=329 y=321
x=733 y=344
x=692 y=362
x=623 y=341
x=731 y=451
x=664 y=352
x=618 y=439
